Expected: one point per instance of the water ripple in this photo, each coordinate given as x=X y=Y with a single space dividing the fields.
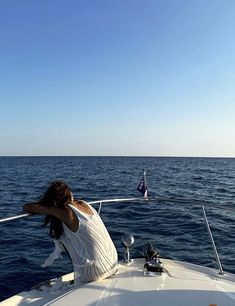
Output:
x=172 y=219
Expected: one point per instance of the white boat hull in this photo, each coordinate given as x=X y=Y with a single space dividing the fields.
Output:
x=183 y=284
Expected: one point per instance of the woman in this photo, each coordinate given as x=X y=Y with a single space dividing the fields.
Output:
x=78 y=227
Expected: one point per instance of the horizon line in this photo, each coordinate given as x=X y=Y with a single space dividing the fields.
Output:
x=124 y=156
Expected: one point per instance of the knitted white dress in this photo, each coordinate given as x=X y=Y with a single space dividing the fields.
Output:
x=91 y=249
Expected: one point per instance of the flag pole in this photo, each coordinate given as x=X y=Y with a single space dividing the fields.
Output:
x=145 y=184
x=142 y=187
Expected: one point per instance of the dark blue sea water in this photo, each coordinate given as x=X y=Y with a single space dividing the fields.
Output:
x=171 y=219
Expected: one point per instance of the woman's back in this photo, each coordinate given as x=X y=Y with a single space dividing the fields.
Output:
x=91 y=249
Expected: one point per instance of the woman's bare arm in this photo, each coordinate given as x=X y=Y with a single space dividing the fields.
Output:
x=36 y=208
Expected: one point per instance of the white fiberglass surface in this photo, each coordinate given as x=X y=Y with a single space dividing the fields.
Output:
x=183 y=284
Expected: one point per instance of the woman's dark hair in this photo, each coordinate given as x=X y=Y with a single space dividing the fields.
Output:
x=57 y=195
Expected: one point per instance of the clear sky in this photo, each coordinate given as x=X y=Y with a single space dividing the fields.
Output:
x=117 y=77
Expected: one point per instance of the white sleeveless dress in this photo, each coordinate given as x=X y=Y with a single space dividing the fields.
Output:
x=91 y=249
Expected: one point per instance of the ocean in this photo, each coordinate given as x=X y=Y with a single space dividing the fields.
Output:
x=171 y=219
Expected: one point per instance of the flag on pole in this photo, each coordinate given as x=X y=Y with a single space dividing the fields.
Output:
x=142 y=187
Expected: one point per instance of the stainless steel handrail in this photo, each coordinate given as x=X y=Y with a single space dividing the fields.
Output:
x=92 y=202
x=212 y=241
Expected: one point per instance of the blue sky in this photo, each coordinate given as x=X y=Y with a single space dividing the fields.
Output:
x=117 y=77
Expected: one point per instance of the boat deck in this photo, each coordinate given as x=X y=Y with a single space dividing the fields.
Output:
x=182 y=284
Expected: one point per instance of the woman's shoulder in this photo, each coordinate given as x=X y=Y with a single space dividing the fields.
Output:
x=79 y=201
x=83 y=206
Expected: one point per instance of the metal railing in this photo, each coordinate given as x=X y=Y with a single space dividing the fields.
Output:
x=100 y=202
x=212 y=241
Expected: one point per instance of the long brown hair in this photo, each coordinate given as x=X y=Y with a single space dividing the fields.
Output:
x=57 y=195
